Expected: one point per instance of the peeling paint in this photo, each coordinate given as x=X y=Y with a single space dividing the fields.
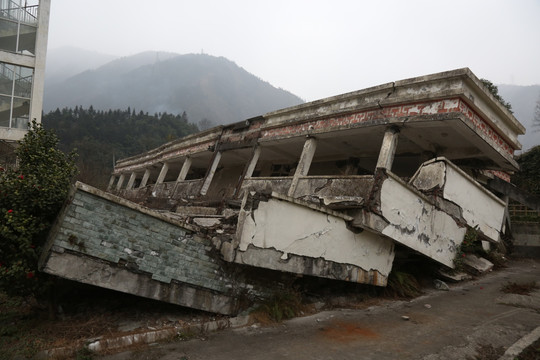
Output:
x=293 y=229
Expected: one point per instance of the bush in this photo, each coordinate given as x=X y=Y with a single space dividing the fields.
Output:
x=282 y=305
x=31 y=196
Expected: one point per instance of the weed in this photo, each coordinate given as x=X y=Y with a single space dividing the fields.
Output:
x=498 y=259
x=402 y=285
x=519 y=288
x=281 y=306
x=531 y=352
x=84 y=354
x=185 y=335
x=487 y=352
x=470 y=244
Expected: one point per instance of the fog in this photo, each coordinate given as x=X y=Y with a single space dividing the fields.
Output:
x=317 y=49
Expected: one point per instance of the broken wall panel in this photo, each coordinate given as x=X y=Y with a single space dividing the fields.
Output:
x=106 y=241
x=417 y=223
x=282 y=234
x=479 y=207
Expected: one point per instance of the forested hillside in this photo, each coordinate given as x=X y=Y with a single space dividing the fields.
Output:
x=100 y=137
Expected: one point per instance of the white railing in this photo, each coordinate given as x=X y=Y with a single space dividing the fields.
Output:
x=11 y=10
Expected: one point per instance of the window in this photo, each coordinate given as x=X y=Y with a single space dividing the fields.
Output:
x=15 y=93
x=18 y=26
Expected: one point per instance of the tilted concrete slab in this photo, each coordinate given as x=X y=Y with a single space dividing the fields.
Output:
x=281 y=233
x=103 y=240
x=480 y=208
x=402 y=213
x=418 y=224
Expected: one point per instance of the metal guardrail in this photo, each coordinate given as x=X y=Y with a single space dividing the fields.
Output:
x=522 y=214
x=12 y=10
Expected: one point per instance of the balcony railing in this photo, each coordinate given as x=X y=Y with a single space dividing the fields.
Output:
x=11 y=10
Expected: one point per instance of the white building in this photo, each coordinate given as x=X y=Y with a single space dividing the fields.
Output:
x=24 y=27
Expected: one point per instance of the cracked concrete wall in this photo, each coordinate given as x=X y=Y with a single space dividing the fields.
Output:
x=479 y=207
x=418 y=224
x=286 y=236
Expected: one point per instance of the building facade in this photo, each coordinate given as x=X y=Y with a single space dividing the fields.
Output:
x=23 y=46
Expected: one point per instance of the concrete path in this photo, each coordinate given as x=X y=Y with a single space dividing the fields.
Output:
x=442 y=325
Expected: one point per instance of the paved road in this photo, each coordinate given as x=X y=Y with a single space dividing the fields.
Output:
x=450 y=326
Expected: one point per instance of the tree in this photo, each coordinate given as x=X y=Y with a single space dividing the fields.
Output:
x=101 y=135
x=536 y=118
x=494 y=90
x=30 y=198
x=528 y=178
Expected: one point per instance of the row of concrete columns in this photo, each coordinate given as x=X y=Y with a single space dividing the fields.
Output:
x=385 y=160
x=146 y=176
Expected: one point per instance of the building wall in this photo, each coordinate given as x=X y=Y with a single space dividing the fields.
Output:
x=102 y=242
x=23 y=47
x=289 y=236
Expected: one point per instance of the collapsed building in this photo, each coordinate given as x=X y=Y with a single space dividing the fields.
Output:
x=331 y=188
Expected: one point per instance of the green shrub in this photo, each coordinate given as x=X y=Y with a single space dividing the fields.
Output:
x=282 y=305
x=31 y=196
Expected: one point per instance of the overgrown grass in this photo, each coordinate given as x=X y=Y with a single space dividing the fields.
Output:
x=281 y=306
x=531 y=352
x=18 y=320
x=487 y=352
x=84 y=354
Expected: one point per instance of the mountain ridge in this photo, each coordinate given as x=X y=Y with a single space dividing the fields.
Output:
x=207 y=88
x=211 y=90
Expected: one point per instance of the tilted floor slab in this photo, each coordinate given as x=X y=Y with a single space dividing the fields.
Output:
x=479 y=207
x=282 y=233
x=103 y=240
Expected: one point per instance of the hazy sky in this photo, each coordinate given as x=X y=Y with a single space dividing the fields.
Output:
x=315 y=48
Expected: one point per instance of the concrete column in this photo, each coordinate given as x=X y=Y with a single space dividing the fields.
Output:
x=182 y=175
x=388 y=149
x=253 y=162
x=111 y=182
x=211 y=173
x=162 y=173
x=352 y=166
x=248 y=170
x=131 y=181
x=303 y=165
x=38 y=81
x=185 y=169
x=120 y=182
x=145 y=178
